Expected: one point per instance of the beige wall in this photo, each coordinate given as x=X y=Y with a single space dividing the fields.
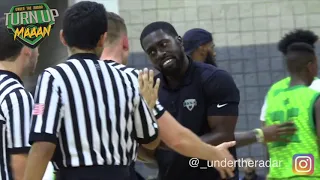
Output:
x=233 y=22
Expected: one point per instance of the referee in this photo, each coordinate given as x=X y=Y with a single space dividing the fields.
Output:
x=88 y=115
x=15 y=104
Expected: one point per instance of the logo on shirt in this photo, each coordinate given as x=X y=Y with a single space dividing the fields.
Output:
x=190 y=104
x=221 y=105
x=38 y=109
x=30 y=24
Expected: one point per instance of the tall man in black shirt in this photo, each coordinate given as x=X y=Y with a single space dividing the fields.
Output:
x=201 y=97
x=199 y=45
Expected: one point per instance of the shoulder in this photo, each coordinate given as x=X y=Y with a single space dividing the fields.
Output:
x=279 y=86
x=283 y=83
x=20 y=96
x=315 y=85
x=10 y=86
x=128 y=70
x=212 y=74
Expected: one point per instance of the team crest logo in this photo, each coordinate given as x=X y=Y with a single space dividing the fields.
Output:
x=190 y=104
x=30 y=24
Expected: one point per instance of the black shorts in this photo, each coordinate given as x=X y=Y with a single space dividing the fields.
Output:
x=94 y=173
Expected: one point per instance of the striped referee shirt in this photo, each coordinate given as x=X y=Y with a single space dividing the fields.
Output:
x=134 y=73
x=92 y=111
x=15 y=113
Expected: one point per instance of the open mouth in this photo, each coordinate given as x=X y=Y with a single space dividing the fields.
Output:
x=168 y=62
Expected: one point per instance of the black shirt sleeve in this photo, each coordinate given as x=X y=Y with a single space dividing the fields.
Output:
x=222 y=94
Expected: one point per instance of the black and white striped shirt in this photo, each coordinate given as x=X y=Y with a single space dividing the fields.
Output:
x=92 y=111
x=134 y=73
x=15 y=114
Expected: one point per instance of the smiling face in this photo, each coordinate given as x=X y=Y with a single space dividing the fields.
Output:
x=164 y=51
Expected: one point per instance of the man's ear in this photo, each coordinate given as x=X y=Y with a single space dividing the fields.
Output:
x=26 y=51
x=125 y=43
x=203 y=49
x=63 y=41
x=102 y=40
x=179 y=39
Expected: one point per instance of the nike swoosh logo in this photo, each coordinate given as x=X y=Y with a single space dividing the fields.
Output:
x=222 y=105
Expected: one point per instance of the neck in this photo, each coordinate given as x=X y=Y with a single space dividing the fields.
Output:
x=72 y=51
x=112 y=53
x=298 y=80
x=198 y=58
x=12 y=66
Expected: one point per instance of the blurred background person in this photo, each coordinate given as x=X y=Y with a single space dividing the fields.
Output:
x=250 y=170
x=300 y=104
x=16 y=103
x=199 y=45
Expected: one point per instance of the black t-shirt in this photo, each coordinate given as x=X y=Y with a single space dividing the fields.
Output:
x=203 y=91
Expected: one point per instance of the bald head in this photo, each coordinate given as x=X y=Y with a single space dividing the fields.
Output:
x=116 y=28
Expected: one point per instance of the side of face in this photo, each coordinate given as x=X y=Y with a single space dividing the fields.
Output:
x=210 y=53
x=313 y=69
x=125 y=49
x=165 y=51
x=30 y=59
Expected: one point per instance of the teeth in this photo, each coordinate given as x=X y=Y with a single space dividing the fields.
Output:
x=166 y=62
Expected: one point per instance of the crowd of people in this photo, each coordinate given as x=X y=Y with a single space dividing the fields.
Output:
x=93 y=117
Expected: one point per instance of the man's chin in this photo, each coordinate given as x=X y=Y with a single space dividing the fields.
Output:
x=170 y=71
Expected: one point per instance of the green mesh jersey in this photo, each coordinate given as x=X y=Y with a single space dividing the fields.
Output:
x=296 y=104
x=282 y=84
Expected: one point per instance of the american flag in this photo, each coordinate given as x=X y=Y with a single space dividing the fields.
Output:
x=38 y=109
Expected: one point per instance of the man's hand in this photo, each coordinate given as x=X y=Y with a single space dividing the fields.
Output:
x=223 y=154
x=279 y=132
x=146 y=88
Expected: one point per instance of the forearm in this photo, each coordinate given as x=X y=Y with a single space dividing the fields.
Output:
x=245 y=138
x=38 y=160
x=191 y=145
x=18 y=165
x=217 y=138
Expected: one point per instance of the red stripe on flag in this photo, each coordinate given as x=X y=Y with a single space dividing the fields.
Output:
x=38 y=109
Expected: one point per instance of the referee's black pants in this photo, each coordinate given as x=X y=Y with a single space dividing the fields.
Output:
x=134 y=175
x=94 y=173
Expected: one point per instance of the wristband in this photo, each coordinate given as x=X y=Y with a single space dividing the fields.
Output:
x=259 y=135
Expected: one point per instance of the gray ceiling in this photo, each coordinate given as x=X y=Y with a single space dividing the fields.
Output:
x=5 y=5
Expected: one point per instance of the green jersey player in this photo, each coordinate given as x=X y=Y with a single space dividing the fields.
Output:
x=300 y=104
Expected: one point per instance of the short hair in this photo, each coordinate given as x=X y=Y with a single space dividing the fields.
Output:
x=296 y=36
x=116 y=26
x=298 y=56
x=159 y=25
x=9 y=48
x=83 y=24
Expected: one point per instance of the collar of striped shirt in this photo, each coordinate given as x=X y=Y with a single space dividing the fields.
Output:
x=84 y=56
x=12 y=75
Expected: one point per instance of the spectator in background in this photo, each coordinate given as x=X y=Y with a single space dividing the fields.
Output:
x=198 y=44
x=250 y=171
